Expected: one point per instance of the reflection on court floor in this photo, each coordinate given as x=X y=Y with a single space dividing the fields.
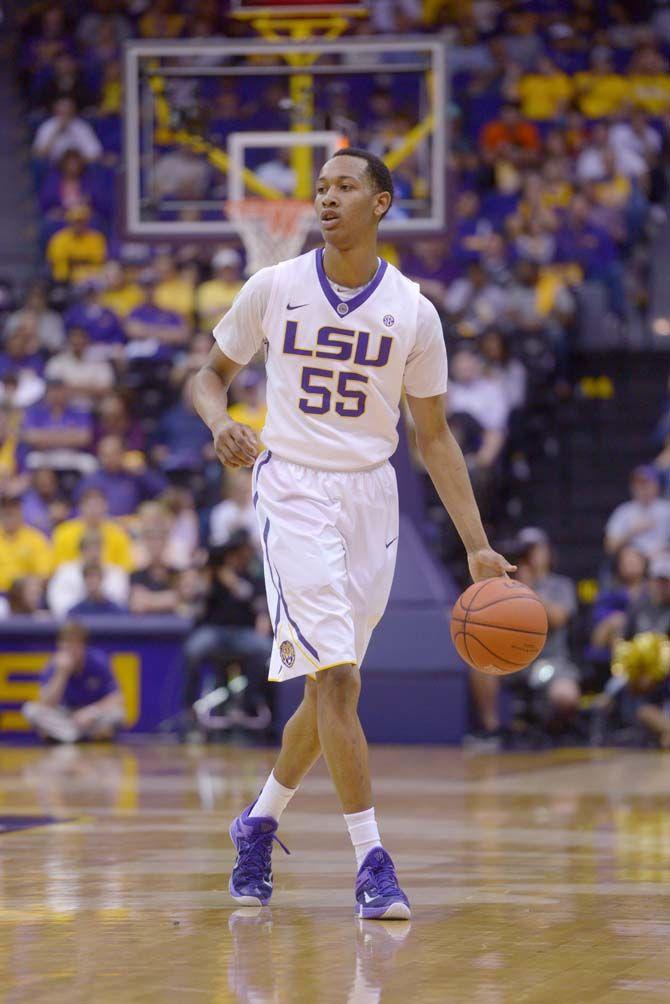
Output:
x=534 y=879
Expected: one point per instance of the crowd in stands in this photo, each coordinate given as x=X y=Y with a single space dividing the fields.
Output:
x=111 y=497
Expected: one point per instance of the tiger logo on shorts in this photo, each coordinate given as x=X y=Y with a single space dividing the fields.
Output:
x=287 y=653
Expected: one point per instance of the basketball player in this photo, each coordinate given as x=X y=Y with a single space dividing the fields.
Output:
x=344 y=333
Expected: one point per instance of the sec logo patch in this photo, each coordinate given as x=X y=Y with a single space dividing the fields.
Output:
x=287 y=653
x=389 y=320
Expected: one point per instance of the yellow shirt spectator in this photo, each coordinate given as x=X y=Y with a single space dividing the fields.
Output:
x=177 y=295
x=123 y=299
x=23 y=549
x=116 y=547
x=650 y=92
x=215 y=297
x=544 y=96
x=600 y=94
x=246 y=415
x=76 y=251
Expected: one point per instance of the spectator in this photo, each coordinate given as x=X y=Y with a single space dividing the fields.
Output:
x=160 y=20
x=79 y=696
x=12 y=481
x=66 y=131
x=153 y=590
x=78 y=250
x=85 y=377
x=43 y=504
x=473 y=302
x=248 y=399
x=99 y=14
x=183 y=526
x=191 y=359
x=101 y=324
x=120 y=293
x=67 y=587
x=215 y=296
x=115 y=419
x=427 y=263
x=116 y=549
x=551 y=683
x=48 y=323
x=182 y=440
x=590 y=164
x=63 y=79
x=55 y=433
x=153 y=333
x=124 y=489
x=474 y=395
x=95 y=602
x=174 y=292
x=234 y=625
x=600 y=92
x=545 y=92
x=610 y=610
x=72 y=184
x=23 y=549
x=499 y=366
x=581 y=242
x=511 y=137
x=637 y=695
x=181 y=174
x=635 y=144
x=25 y=597
x=644 y=521
x=235 y=512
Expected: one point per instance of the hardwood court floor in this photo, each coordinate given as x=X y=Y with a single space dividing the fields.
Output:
x=535 y=879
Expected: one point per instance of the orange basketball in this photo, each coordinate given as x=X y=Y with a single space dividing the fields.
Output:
x=498 y=625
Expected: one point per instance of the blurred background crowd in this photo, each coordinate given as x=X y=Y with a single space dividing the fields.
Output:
x=111 y=499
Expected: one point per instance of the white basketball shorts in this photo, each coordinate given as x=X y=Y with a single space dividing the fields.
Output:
x=329 y=547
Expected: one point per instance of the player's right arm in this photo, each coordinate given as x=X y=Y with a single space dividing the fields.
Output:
x=238 y=337
x=236 y=445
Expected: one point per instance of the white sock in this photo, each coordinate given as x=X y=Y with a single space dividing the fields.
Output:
x=363 y=831
x=273 y=799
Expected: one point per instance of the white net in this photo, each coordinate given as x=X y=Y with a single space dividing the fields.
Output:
x=271 y=231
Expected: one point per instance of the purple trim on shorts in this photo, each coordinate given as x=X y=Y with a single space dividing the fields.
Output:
x=266 y=459
x=355 y=301
x=280 y=593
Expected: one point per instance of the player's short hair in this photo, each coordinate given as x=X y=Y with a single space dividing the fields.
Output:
x=377 y=171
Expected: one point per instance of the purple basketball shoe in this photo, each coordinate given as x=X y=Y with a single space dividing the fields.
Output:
x=251 y=879
x=378 y=895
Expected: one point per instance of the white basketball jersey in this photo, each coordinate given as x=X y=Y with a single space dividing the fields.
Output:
x=335 y=367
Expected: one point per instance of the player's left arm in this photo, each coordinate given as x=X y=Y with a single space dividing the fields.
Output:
x=448 y=471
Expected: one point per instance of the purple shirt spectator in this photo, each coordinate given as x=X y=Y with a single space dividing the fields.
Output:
x=93 y=608
x=151 y=315
x=101 y=325
x=42 y=416
x=124 y=491
x=93 y=682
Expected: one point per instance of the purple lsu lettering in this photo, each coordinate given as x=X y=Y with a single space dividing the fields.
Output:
x=339 y=344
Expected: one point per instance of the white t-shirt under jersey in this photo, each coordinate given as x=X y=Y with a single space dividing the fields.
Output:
x=337 y=360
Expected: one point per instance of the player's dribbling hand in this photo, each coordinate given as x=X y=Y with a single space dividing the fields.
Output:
x=486 y=563
x=236 y=445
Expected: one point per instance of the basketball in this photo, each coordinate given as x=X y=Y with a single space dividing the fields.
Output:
x=498 y=626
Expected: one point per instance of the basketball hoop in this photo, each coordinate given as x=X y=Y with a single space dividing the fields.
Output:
x=271 y=230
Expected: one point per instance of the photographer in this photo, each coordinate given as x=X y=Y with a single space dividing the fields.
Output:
x=234 y=625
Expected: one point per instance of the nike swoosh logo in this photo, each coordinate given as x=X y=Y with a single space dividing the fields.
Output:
x=391 y=542
x=296 y=306
x=367 y=898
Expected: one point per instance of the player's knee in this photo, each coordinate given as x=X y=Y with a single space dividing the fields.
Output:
x=339 y=684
